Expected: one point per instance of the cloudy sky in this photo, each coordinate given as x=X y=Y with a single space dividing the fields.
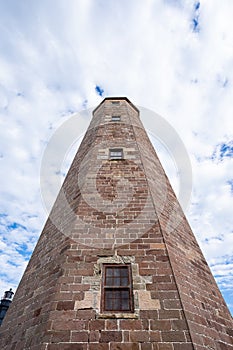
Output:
x=174 y=57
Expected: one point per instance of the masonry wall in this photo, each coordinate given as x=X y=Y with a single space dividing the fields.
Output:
x=209 y=320
x=117 y=212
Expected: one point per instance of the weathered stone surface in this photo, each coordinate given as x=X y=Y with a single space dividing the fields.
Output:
x=117 y=212
x=146 y=302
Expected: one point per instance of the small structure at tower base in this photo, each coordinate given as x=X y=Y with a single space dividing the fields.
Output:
x=5 y=303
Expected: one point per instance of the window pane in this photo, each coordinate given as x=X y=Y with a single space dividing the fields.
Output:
x=125 y=294
x=117 y=304
x=117 y=300
x=125 y=300
x=109 y=271
x=117 y=272
x=117 y=282
x=108 y=303
x=124 y=271
x=116 y=153
x=116 y=118
x=117 y=276
x=124 y=281
x=109 y=281
x=125 y=305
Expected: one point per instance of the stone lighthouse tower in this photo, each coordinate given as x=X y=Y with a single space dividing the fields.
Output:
x=117 y=265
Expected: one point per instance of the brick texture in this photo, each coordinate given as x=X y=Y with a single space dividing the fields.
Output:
x=117 y=212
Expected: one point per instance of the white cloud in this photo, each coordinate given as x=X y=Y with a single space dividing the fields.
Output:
x=54 y=53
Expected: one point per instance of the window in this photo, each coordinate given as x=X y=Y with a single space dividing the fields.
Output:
x=117 y=288
x=115 y=103
x=116 y=118
x=116 y=153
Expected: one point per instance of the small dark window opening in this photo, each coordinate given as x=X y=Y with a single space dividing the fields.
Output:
x=116 y=118
x=115 y=103
x=116 y=153
x=117 y=293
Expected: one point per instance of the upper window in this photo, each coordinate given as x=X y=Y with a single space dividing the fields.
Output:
x=117 y=288
x=115 y=103
x=116 y=153
x=116 y=118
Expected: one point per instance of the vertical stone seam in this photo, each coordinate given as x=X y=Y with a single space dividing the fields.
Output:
x=160 y=228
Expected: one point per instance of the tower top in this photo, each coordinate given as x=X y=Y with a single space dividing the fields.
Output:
x=115 y=98
x=118 y=257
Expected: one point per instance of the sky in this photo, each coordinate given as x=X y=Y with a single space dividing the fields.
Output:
x=173 y=57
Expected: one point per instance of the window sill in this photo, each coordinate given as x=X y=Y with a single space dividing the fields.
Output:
x=117 y=315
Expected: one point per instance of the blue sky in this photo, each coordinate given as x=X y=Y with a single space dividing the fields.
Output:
x=172 y=56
